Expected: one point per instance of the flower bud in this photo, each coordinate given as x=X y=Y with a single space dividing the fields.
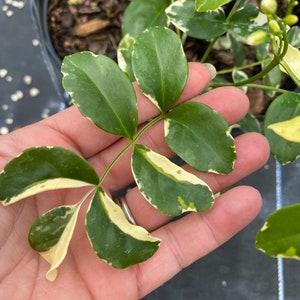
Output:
x=268 y=7
x=274 y=26
x=290 y=20
x=256 y=37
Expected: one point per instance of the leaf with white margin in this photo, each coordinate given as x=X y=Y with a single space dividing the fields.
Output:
x=160 y=66
x=102 y=92
x=140 y=15
x=40 y=169
x=115 y=240
x=200 y=25
x=204 y=5
x=168 y=187
x=283 y=108
x=201 y=137
x=290 y=64
x=124 y=54
x=280 y=235
x=51 y=233
x=289 y=130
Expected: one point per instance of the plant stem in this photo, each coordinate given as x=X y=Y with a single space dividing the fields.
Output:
x=131 y=143
x=233 y=10
x=283 y=47
x=147 y=126
x=244 y=67
x=267 y=88
x=208 y=49
x=213 y=41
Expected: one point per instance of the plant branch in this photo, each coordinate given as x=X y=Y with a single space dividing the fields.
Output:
x=131 y=143
x=267 y=88
x=283 y=47
x=213 y=41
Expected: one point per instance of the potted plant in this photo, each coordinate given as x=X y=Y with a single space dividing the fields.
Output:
x=154 y=48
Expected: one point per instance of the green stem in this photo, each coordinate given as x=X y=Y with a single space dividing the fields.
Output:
x=291 y=5
x=267 y=88
x=208 y=49
x=233 y=10
x=276 y=60
x=147 y=126
x=244 y=67
x=213 y=41
x=131 y=143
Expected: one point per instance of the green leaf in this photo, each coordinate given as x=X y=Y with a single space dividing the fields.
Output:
x=160 y=66
x=280 y=235
x=245 y=14
x=41 y=169
x=272 y=78
x=142 y=14
x=115 y=240
x=102 y=92
x=204 y=5
x=294 y=36
x=51 y=233
x=201 y=137
x=250 y=124
x=167 y=186
x=237 y=50
x=125 y=50
x=205 y=25
x=284 y=107
x=243 y=21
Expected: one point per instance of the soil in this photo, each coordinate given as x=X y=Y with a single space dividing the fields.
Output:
x=95 y=25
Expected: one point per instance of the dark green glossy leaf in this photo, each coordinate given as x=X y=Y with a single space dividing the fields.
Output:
x=142 y=14
x=201 y=25
x=201 y=137
x=242 y=22
x=160 y=66
x=102 y=92
x=167 y=186
x=283 y=108
x=237 y=49
x=280 y=235
x=51 y=234
x=250 y=124
x=245 y=14
x=204 y=5
x=40 y=169
x=113 y=238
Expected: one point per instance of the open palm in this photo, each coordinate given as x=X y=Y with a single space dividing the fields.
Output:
x=82 y=275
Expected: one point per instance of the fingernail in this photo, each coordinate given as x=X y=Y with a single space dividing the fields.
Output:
x=212 y=70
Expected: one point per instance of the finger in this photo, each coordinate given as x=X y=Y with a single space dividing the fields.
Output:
x=195 y=235
x=120 y=175
x=252 y=154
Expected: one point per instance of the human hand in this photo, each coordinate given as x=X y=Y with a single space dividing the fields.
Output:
x=83 y=275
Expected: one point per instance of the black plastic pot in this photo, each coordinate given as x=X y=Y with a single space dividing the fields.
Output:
x=30 y=80
x=236 y=270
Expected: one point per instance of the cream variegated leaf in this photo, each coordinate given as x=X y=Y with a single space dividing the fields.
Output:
x=50 y=235
x=290 y=64
x=289 y=130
